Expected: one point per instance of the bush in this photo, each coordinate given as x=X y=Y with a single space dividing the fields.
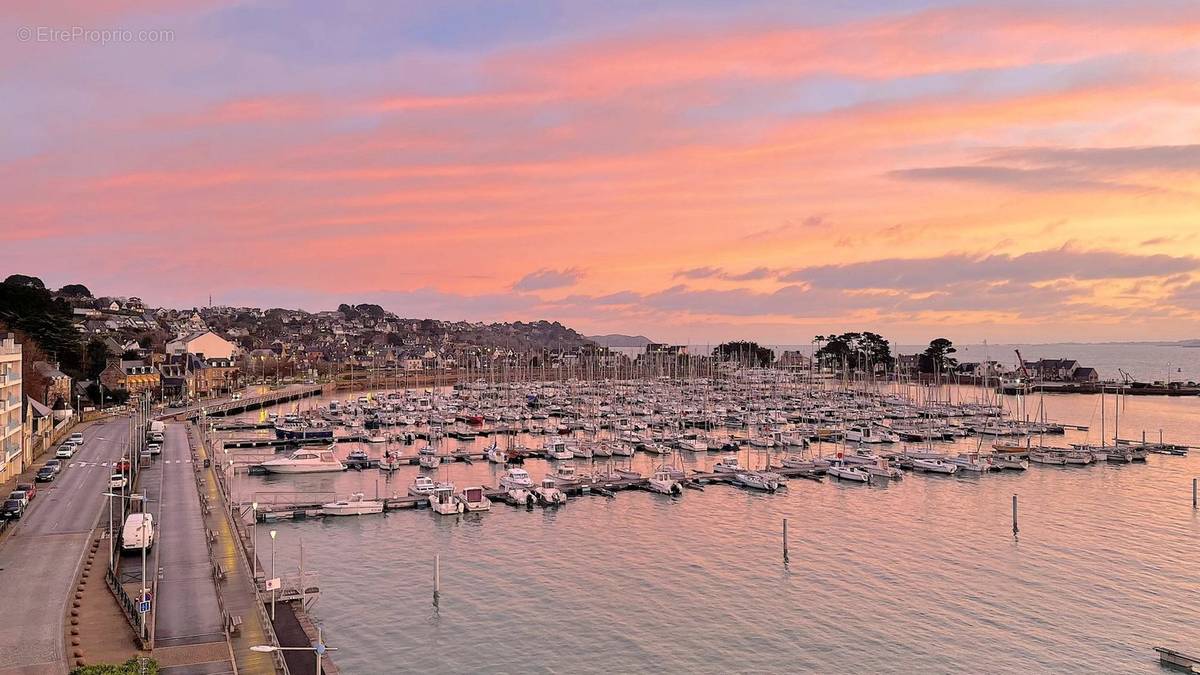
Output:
x=130 y=667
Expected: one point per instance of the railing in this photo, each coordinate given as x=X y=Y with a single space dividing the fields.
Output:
x=127 y=604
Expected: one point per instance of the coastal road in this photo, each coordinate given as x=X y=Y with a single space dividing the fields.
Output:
x=188 y=612
x=39 y=562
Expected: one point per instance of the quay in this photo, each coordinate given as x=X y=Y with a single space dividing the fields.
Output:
x=233 y=407
x=1177 y=660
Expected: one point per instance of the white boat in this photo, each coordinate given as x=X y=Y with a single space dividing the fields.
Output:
x=1079 y=457
x=756 y=481
x=429 y=461
x=473 y=499
x=516 y=478
x=602 y=450
x=934 y=466
x=884 y=470
x=557 y=450
x=1005 y=461
x=548 y=493
x=389 y=462
x=971 y=462
x=662 y=483
x=629 y=474
x=566 y=475
x=521 y=496
x=656 y=449
x=443 y=501
x=422 y=486
x=305 y=460
x=870 y=434
x=728 y=464
x=693 y=445
x=1051 y=457
x=496 y=454
x=841 y=471
x=622 y=449
x=356 y=505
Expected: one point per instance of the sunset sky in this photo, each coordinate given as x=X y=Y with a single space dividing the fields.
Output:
x=692 y=170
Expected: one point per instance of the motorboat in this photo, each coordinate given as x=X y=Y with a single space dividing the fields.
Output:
x=884 y=470
x=358 y=456
x=559 y=450
x=443 y=500
x=429 y=461
x=516 y=478
x=869 y=434
x=520 y=496
x=693 y=445
x=657 y=449
x=1009 y=461
x=306 y=460
x=728 y=464
x=473 y=499
x=297 y=430
x=621 y=449
x=662 y=483
x=842 y=471
x=422 y=486
x=756 y=481
x=628 y=474
x=1051 y=457
x=355 y=505
x=934 y=466
x=566 y=475
x=548 y=493
x=1078 y=458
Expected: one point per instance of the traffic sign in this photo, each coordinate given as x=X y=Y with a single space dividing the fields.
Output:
x=144 y=607
x=273 y=584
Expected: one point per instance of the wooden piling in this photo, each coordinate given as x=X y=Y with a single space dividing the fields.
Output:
x=785 y=540
x=1015 y=529
x=437 y=578
x=1193 y=493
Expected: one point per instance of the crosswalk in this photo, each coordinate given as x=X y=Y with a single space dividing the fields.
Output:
x=102 y=464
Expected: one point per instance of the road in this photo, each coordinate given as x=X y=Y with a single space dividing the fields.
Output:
x=39 y=562
x=188 y=611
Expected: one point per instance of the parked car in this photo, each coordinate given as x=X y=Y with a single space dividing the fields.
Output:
x=12 y=509
x=65 y=451
x=54 y=464
x=121 y=465
x=45 y=474
x=76 y=438
x=156 y=437
x=29 y=489
x=237 y=396
x=117 y=481
x=138 y=532
x=19 y=496
x=154 y=448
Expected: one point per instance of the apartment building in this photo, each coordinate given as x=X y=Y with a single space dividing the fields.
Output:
x=11 y=405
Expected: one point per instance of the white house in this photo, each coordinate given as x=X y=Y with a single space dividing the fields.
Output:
x=206 y=342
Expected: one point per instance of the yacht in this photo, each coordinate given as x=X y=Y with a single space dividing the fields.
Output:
x=1008 y=461
x=390 y=461
x=620 y=449
x=869 y=434
x=693 y=445
x=662 y=483
x=306 y=460
x=971 y=462
x=934 y=466
x=520 y=496
x=422 y=486
x=566 y=475
x=355 y=505
x=1051 y=457
x=443 y=501
x=548 y=493
x=297 y=430
x=516 y=478
x=358 y=456
x=429 y=461
x=473 y=499
x=883 y=469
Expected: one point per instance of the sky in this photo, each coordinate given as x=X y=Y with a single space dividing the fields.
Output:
x=690 y=170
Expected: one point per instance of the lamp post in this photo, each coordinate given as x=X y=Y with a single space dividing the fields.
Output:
x=272 y=575
x=319 y=649
x=254 y=538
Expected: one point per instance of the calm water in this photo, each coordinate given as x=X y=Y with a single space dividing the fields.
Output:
x=922 y=575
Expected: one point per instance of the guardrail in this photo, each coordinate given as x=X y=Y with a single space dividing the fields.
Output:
x=127 y=604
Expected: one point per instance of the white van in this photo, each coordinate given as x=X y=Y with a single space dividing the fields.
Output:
x=137 y=535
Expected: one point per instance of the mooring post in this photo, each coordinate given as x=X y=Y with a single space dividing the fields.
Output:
x=785 y=541
x=1193 y=493
x=437 y=578
x=1015 y=529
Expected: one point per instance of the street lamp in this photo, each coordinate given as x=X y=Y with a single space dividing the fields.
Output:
x=319 y=648
x=272 y=575
x=145 y=588
x=254 y=537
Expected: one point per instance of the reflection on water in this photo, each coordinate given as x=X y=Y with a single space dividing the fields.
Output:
x=922 y=575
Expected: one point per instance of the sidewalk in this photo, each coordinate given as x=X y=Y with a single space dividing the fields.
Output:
x=238 y=592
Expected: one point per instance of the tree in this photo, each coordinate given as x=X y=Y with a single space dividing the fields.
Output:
x=95 y=358
x=854 y=351
x=25 y=280
x=936 y=357
x=75 y=291
x=748 y=353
